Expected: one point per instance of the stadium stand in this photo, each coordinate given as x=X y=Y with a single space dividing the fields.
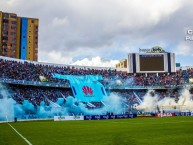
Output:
x=30 y=71
x=34 y=82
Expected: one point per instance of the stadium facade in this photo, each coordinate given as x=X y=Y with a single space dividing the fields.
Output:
x=18 y=36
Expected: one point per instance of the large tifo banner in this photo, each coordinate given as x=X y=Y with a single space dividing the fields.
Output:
x=85 y=88
x=63 y=118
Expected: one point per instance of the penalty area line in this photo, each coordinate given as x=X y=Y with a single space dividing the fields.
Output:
x=27 y=141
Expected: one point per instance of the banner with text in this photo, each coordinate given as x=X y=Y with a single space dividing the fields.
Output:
x=165 y=115
x=63 y=118
x=102 y=117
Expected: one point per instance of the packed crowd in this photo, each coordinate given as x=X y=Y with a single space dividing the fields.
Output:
x=131 y=96
x=37 y=94
x=189 y=73
x=29 y=71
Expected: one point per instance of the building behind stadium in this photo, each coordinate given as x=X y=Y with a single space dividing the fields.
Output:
x=18 y=36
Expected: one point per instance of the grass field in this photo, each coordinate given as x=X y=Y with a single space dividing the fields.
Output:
x=139 y=131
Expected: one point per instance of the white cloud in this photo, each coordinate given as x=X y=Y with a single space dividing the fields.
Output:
x=184 y=48
x=54 y=57
x=96 y=61
x=60 y=21
x=109 y=29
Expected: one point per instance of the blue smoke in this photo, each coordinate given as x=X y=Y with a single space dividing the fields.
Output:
x=9 y=108
x=60 y=101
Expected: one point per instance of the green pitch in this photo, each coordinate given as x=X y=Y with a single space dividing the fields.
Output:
x=139 y=131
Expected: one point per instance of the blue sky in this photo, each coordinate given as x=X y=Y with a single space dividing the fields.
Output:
x=92 y=32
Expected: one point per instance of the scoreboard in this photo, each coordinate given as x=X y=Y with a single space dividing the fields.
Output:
x=151 y=62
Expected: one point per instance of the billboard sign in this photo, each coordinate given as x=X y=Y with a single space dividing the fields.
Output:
x=64 y=118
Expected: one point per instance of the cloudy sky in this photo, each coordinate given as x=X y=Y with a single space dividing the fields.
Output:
x=93 y=32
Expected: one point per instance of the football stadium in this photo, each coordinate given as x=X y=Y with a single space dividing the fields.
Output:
x=89 y=72
x=149 y=102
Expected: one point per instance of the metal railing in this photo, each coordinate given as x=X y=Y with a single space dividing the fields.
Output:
x=33 y=83
x=61 y=85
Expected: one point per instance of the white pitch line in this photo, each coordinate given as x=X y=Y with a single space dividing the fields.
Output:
x=29 y=143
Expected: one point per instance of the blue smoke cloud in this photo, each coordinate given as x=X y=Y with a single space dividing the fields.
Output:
x=9 y=108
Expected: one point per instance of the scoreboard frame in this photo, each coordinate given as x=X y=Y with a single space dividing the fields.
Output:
x=133 y=63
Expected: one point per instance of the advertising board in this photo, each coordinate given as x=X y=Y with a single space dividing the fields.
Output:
x=165 y=115
x=63 y=118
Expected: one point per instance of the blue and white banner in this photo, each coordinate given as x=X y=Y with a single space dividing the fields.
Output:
x=85 y=88
x=105 y=117
x=183 y=113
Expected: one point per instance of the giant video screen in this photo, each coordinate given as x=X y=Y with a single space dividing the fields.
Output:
x=153 y=62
